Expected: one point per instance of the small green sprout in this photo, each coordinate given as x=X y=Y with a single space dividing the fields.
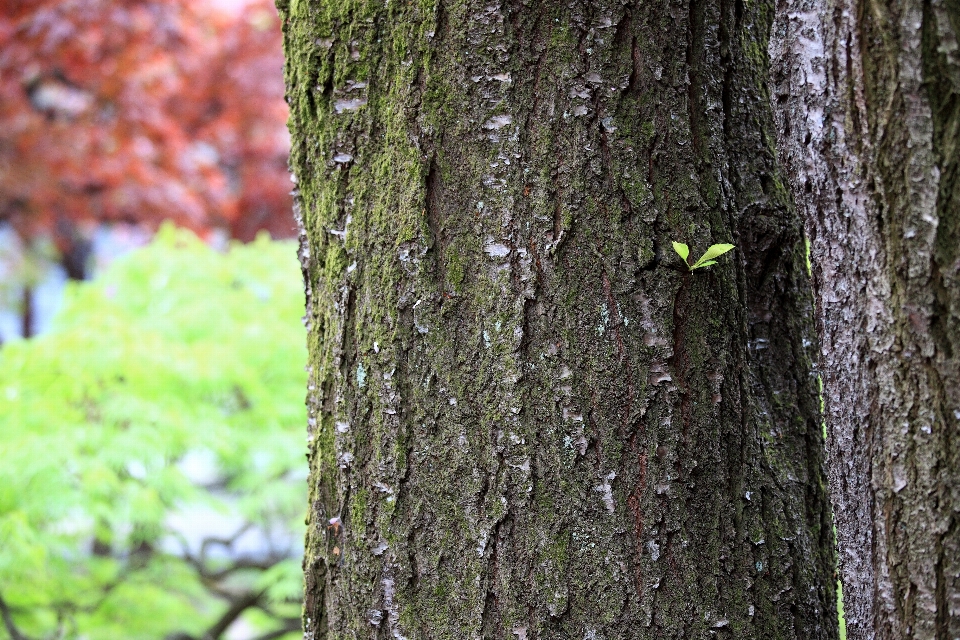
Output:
x=707 y=259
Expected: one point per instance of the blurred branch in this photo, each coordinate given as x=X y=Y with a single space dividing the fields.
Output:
x=290 y=625
x=126 y=571
x=223 y=542
x=238 y=565
x=235 y=610
x=209 y=576
x=61 y=630
x=12 y=629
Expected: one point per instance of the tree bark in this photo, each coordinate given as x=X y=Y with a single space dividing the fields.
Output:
x=868 y=97
x=527 y=417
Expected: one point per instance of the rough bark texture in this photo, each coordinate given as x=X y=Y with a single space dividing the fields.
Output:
x=526 y=418
x=868 y=98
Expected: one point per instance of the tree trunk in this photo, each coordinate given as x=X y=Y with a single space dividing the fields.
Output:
x=869 y=119
x=27 y=315
x=527 y=417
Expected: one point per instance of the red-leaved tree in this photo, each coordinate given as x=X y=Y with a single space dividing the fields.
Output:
x=141 y=111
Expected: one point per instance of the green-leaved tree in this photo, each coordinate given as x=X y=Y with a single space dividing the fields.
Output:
x=150 y=451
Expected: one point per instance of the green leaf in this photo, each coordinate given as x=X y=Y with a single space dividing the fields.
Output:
x=703 y=264
x=682 y=250
x=713 y=252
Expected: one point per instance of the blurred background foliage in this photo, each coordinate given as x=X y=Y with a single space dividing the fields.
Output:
x=151 y=455
x=151 y=427
x=120 y=114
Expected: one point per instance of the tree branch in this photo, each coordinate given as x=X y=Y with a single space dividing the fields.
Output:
x=290 y=625
x=235 y=610
x=12 y=629
x=223 y=542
